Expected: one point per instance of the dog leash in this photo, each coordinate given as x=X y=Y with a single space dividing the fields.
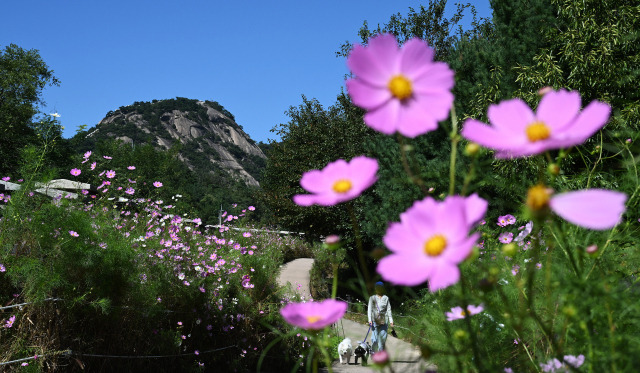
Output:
x=365 y=337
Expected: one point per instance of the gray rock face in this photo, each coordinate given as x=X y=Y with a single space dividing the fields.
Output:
x=213 y=133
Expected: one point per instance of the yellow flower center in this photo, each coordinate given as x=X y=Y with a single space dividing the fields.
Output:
x=436 y=245
x=400 y=87
x=463 y=313
x=538 y=197
x=342 y=186
x=537 y=131
x=313 y=319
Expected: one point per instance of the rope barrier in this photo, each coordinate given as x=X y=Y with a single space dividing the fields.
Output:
x=151 y=356
x=25 y=304
x=69 y=352
x=65 y=352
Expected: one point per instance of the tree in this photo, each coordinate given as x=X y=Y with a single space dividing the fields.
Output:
x=312 y=138
x=23 y=76
x=595 y=50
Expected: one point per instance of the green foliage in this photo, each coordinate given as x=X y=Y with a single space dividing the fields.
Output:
x=313 y=137
x=23 y=76
x=122 y=290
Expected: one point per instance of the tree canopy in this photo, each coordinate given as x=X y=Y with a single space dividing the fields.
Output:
x=23 y=76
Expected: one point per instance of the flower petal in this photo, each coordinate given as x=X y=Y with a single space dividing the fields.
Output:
x=437 y=78
x=590 y=121
x=314 y=181
x=597 y=209
x=415 y=57
x=475 y=208
x=400 y=239
x=511 y=116
x=414 y=120
x=376 y=63
x=406 y=270
x=367 y=96
x=443 y=276
x=557 y=109
x=459 y=251
x=487 y=136
x=385 y=118
x=363 y=172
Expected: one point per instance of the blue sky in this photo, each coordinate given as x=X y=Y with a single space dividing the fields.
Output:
x=256 y=58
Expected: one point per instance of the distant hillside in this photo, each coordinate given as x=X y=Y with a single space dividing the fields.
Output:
x=206 y=135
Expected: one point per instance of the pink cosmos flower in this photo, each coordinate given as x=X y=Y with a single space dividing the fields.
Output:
x=2 y=268
x=157 y=184
x=314 y=315
x=6 y=178
x=402 y=89
x=130 y=191
x=93 y=166
x=596 y=209
x=339 y=181
x=505 y=220
x=515 y=269
x=526 y=230
x=380 y=358
x=131 y=167
x=251 y=208
x=107 y=157
x=555 y=365
x=505 y=237
x=74 y=234
x=75 y=172
x=517 y=131
x=458 y=313
x=110 y=174
x=9 y=323
x=430 y=240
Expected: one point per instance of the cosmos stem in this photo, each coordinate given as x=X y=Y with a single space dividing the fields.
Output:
x=454 y=150
x=356 y=232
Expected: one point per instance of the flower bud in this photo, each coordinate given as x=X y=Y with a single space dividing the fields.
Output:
x=380 y=358
x=471 y=149
x=544 y=90
x=460 y=334
x=591 y=249
x=569 y=311
x=509 y=250
x=332 y=242
x=378 y=253
x=553 y=169
x=494 y=271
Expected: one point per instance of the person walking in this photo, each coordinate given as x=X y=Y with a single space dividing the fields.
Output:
x=380 y=317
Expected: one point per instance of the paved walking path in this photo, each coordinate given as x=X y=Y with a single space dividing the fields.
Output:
x=296 y=272
x=406 y=358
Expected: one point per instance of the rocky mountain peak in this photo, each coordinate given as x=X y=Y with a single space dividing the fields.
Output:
x=205 y=133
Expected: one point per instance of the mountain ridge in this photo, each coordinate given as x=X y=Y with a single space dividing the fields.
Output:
x=206 y=134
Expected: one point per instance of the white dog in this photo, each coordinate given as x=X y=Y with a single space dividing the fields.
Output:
x=345 y=351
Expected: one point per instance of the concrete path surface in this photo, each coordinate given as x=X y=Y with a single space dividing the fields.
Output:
x=296 y=272
x=405 y=357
